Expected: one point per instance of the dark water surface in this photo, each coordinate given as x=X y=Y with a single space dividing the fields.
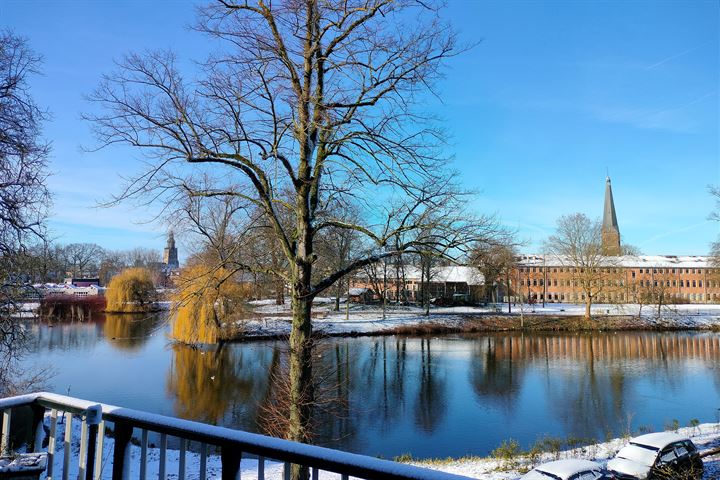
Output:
x=428 y=396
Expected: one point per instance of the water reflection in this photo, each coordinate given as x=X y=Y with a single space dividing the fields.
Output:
x=220 y=385
x=453 y=395
x=131 y=331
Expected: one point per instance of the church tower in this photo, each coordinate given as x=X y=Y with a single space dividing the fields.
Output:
x=610 y=229
x=170 y=257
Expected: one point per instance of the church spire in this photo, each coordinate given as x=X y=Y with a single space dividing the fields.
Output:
x=610 y=229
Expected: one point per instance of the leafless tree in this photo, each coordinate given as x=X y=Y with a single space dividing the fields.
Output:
x=23 y=195
x=577 y=244
x=338 y=247
x=496 y=261
x=715 y=216
x=305 y=102
x=82 y=258
x=23 y=153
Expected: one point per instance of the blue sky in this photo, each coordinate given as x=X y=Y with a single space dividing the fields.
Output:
x=554 y=95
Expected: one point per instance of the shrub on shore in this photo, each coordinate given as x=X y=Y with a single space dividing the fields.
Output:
x=131 y=291
x=68 y=307
x=209 y=303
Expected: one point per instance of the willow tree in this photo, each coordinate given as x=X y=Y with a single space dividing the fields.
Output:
x=131 y=291
x=302 y=104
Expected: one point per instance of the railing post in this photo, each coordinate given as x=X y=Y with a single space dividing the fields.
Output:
x=143 y=454
x=38 y=432
x=230 y=457
x=67 y=445
x=93 y=418
x=51 y=444
x=5 y=432
x=121 y=455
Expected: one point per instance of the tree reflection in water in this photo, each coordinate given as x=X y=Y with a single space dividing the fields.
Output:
x=494 y=375
x=220 y=386
x=131 y=331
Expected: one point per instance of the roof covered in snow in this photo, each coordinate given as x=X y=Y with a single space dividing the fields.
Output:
x=658 y=440
x=451 y=274
x=638 y=261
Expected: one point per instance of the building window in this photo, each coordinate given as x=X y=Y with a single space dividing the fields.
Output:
x=674 y=283
x=693 y=283
x=673 y=270
x=633 y=273
x=641 y=270
x=555 y=282
x=700 y=283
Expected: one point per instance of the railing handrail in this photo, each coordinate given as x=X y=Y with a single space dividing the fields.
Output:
x=261 y=445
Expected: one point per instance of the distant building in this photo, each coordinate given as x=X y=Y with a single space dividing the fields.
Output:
x=82 y=282
x=170 y=255
x=450 y=283
x=610 y=228
x=622 y=278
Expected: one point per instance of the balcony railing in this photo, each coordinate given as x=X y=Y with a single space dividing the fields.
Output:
x=233 y=444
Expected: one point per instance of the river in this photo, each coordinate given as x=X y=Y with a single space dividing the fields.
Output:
x=427 y=396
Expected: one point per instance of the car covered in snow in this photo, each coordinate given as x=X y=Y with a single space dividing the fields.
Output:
x=662 y=455
x=570 y=469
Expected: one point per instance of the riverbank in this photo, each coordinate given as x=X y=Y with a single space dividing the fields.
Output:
x=510 y=467
x=270 y=321
x=705 y=436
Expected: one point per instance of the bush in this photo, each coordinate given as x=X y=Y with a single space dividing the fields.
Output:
x=210 y=305
x=131 y=291
x=508 y=453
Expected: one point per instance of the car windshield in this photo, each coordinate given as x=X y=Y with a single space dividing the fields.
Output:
x=548 y=474
x=643 y=455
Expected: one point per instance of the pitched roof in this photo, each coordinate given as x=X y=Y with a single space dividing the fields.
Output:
x=609 y=217
x=637 y=261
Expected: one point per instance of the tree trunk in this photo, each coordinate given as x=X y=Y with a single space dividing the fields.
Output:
x=301 y=381
x=338 y=291
x=588 y=304
x=507 y=291
x=301 y=345
x=279 y=292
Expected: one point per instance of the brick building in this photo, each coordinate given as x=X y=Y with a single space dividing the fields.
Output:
x=618 y=278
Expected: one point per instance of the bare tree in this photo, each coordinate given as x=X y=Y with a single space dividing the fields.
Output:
x=306 y=102
x=23 y=195
x=82 y=258
x=715 y=216
x=338 y=247
x=496 y=261
x=577 y=244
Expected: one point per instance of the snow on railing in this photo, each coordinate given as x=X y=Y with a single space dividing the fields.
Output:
x=232 y=444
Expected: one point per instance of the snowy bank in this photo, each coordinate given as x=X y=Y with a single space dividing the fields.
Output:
x=270 y=320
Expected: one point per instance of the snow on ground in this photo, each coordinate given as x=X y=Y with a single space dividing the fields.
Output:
x=705 y=436
x=271 y=319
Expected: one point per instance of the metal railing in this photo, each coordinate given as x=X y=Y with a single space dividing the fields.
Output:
x=233 y=444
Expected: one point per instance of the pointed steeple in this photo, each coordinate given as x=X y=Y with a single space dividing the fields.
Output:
x=610 y=228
